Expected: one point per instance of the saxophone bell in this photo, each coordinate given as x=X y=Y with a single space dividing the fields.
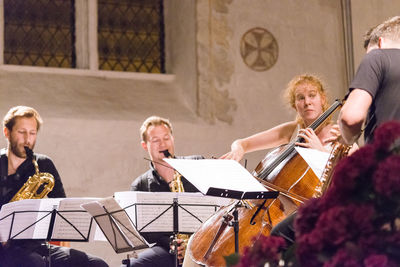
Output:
x=38 y=185
x=174 y=244
x=176 y=184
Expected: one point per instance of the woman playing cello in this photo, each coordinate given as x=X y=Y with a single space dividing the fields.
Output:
x=307 y=96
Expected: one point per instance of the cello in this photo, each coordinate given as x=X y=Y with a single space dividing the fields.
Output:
x=282 y=170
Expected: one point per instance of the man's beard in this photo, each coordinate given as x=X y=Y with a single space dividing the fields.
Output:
x=17 y=150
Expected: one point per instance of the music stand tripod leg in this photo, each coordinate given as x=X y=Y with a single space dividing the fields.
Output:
x=49 y=234
x=235 y=224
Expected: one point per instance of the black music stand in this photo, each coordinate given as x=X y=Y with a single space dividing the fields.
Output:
x=226 y=179
x=165 y=211
x=49 y=224
x=116 y=226
x=50 y=228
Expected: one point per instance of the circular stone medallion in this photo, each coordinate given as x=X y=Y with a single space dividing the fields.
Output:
x=259 y=49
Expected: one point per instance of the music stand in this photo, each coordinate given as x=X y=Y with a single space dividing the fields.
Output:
x=40 y=219
x=167 y=213
x=226 y=179
x=116 y=225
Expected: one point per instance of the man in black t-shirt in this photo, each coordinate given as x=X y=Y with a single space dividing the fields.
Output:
x=157 y=140
x=20 y=126
x=375 y=90
x=374 y=96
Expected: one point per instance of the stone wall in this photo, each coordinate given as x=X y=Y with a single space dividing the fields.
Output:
x=210 y=94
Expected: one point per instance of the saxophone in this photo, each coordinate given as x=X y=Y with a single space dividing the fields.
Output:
x=176 y=186
x=30 y=189
x=338 y=152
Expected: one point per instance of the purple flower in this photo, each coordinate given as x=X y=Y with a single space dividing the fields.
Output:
x=385 y=135
x=308 y=215
x=376 y=260
x=337 y=224
x=387 y=177
x=334 y=229
x=306 y=253
x=370 y=243
x=264 y=249
x=349 y=173
x=342 y=259
x=357 y=221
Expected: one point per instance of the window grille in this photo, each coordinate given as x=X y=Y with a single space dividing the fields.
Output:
x=131 y=35
x=39 y=33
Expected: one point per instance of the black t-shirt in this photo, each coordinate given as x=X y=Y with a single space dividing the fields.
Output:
x=151 y=181
x=11 y=184
x=379 y=75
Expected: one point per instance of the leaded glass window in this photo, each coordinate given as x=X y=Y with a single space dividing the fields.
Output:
x=131 y=35
x=39 y=33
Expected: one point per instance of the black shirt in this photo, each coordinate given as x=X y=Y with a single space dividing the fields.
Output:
x=151 y=181
x=379 y=75
x=10 y=184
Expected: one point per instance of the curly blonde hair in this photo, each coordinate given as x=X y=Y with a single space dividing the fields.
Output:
x=290 y=92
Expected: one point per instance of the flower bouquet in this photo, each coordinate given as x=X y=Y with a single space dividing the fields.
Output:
x=355 y=223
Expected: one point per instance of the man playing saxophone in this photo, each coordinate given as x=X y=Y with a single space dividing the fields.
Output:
x=158 y=141
x=20 y=127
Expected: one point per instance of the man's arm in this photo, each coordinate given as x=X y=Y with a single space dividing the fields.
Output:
x=353 y=114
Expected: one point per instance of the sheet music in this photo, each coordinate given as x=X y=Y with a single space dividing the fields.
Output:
x=152 y=211
x=141 y=215
x=35 y=212
x=71 y=210
x=123 y=221
x=203 y=210
x=115 y=224
x=216 y=173
x=315 y=159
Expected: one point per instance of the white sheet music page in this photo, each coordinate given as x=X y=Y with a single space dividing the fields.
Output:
x=149 y=211
x=217 y=173
x=74 y=216
x=31 y=219
x=315 y=159
x=152 y=211
x=194 y=209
